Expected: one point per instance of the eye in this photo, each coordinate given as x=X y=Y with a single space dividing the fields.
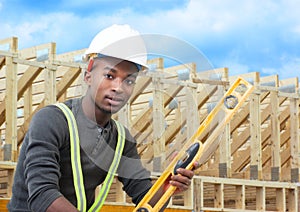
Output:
x=108 y=76
x=130 y=81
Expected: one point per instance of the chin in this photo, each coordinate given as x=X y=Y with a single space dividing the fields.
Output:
x=111 y=110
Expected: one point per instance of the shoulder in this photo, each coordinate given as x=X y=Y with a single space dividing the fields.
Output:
x=53 y=114
x=50 y=113
x=49 y=120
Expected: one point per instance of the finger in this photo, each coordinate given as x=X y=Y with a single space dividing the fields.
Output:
x=196 y=165
x=186 y=180
x=180 y=185
x=185 y=172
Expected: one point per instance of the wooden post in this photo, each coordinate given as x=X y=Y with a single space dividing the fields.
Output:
x=123 y=115
x=198 y=194
x=294 y=128
x=159 y=149
x=275 y=137
x=219 y=195
x=10 y=147
x=292 y=200
x=260 y=198
x=192 y=122
x=28 y=102
x=280 y=199
x=50 y=78
x=225 y=153
x=192 y=106
x=240 y=197
x=255 y=140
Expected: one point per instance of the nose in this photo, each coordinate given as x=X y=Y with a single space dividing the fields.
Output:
x=117 y=85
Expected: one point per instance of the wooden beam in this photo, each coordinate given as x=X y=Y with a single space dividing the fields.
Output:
x=255 y=139
x=50 y=78
x=275 y=137
x=10 y=147
x=158 y=121
x=294 y=126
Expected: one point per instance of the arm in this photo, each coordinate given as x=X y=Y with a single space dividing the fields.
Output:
x=46 y=135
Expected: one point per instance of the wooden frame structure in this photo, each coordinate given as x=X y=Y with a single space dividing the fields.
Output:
x=260 y=145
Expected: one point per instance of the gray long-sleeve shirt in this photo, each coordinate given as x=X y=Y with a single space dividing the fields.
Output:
x=44 y=170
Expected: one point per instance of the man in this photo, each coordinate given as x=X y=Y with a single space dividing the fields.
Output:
x=44 y=178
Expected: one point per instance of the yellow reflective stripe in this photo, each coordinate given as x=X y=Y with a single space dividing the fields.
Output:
x=112 y=170
x=75 y=157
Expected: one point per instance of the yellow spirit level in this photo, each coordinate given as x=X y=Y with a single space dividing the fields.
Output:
x=194 y=150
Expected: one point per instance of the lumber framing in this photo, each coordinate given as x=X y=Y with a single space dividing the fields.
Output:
x=256 y=166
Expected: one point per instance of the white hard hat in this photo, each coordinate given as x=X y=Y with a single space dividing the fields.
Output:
x=119 y=41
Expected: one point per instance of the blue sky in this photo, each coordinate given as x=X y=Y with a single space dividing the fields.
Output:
x=245 y=36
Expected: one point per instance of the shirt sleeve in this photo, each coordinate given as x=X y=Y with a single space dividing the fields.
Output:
x=135 y=178
x=45 y=136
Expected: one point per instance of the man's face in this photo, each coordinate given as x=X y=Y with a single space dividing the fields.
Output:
x=111 y=83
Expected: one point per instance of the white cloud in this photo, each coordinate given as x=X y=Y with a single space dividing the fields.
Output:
x=290 y=68
x=236 y=68
x=210 y=24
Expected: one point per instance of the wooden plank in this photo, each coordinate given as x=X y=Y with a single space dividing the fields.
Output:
x=240 y=197
x=33 y=52
x=280 y=199
x=50 y=78
x=260 y=199
x=27 y=102
x=295 y=137
x=50 y=86
x=219 y=196
x=275 y=137
x=255 y=139
x=159 y=149
x=192 y=110
x=292 y=200
x=225 y=153
x=10 y=147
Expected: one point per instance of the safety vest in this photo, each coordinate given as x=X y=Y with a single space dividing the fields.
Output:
x=76 y=163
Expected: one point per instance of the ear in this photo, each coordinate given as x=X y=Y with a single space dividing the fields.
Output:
x=88 y=77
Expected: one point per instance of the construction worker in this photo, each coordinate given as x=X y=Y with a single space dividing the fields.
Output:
x=55 y=171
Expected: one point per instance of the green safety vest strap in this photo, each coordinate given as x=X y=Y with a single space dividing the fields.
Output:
x=76 y=163
x=75 y=157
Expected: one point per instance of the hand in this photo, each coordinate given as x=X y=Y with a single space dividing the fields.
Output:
x=182 y=180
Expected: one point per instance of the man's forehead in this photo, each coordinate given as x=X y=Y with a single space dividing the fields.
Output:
x=112 y=64
x=115 y=61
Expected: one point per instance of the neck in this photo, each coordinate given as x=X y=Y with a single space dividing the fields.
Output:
x=92 y=112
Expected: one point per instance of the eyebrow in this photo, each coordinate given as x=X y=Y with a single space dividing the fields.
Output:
x=109 y=68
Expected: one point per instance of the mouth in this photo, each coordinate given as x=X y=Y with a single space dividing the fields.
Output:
x=114 y=101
